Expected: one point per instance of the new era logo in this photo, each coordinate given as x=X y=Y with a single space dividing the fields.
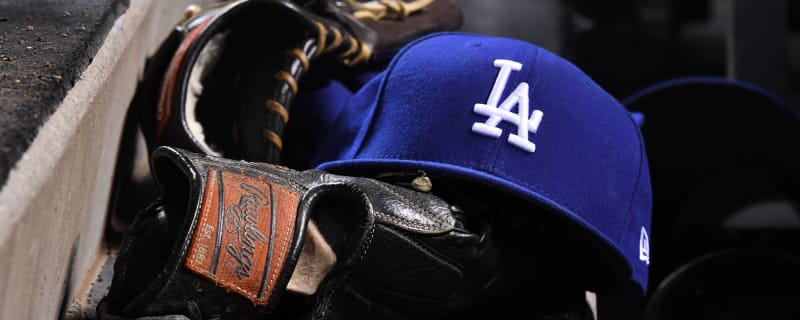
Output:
x=526 y=121
x=644 y=247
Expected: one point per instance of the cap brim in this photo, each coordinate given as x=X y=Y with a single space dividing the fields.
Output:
x=612 y=256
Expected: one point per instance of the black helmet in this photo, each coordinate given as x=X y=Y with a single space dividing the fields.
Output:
x=741 y=283
x=725 y=167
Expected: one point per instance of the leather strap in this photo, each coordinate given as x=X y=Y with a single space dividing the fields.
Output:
x=244 y=230
x=236 y=243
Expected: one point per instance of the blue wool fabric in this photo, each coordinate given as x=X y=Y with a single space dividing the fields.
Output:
x=313 y=113
x=584 y=157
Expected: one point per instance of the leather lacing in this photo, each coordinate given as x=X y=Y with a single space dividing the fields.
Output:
x=333 y=41
x=329 y=40
x=386 y=9
x=324 y=39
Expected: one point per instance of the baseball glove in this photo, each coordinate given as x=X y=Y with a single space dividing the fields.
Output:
x=224 y=81
x=239 y=240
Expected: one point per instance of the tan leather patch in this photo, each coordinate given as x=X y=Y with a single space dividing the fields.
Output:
x=244 y=233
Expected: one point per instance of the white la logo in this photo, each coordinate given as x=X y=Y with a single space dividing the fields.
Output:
x=518 y=97
x=644 y=247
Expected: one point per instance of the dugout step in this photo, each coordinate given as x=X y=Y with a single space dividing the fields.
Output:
x=68 y=70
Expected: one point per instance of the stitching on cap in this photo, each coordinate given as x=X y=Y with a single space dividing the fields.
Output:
x=628 y=211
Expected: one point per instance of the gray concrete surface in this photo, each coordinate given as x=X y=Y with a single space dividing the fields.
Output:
x=53 y=204
x=44 y=47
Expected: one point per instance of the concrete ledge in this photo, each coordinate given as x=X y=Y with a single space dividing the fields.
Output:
x=53 y=205
x=45 y=45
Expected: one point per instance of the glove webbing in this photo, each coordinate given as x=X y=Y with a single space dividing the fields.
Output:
x=386 y=9
x=326 y=40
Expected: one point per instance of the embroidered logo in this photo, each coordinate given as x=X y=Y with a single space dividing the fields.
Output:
x=526 y=121
x=644 y=247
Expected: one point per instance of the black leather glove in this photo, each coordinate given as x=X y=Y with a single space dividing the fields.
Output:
x=239 y=240
x=224 y=81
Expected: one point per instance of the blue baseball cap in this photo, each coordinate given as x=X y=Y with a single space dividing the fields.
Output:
x=511 y=116
x=314 y=110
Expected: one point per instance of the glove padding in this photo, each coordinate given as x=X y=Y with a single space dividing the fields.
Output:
x=224 y=81
x=225 y=242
